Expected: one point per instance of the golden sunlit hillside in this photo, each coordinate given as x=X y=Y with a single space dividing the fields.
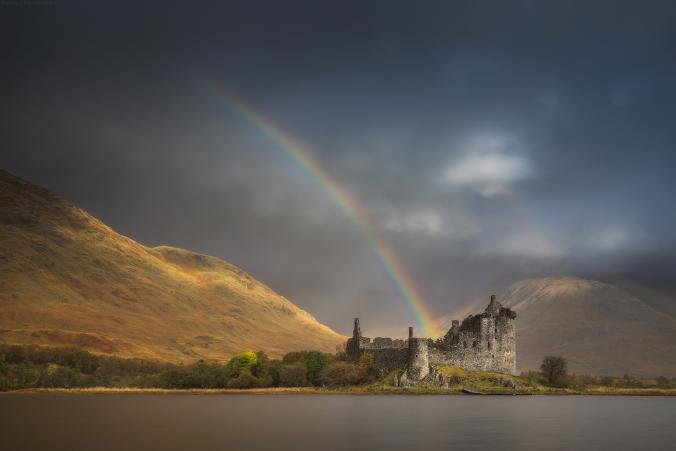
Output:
x=68 y=279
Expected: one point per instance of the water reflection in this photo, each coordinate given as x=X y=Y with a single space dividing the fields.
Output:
x=333 y=422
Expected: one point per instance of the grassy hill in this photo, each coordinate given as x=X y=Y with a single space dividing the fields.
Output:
x=600 y=328
x=68 y=279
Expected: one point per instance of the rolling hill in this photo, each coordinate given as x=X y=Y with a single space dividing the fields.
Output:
x=600 y=328
x=68 y=279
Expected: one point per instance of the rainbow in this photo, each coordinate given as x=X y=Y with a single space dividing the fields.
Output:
x=383 y=254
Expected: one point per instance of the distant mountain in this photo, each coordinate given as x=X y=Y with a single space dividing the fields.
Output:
x=68 y=279
x=600 y=328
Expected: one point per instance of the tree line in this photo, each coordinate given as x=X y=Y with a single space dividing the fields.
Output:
x=31 y=366
x=554 y=373
x=70 y=367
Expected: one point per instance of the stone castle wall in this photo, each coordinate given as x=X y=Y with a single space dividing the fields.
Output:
x=387 y=360
x=483 y=342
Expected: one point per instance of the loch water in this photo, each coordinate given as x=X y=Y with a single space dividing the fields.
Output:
x=335 y=422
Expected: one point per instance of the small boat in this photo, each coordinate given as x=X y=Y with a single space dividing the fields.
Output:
x=472 y=392
x=469 y=391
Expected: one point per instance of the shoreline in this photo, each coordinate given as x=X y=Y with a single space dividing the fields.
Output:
x=597 y=391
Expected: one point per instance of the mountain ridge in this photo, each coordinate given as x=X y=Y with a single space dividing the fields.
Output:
x=69 y=279
x=599 y=327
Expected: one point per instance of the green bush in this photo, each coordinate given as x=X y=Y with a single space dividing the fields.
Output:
x=581 y=380
x=532 y=378
x=663 y=382
x=200 y=375
x=261 y=366
x=294 y=375
x=315 y=362
x=244 y=380
x=367 y=363
x=629 y=382
x=242 y=362
x=294 y=357
x=273 y=373
x=341 y=374
x=554 y=369
x=4 y=370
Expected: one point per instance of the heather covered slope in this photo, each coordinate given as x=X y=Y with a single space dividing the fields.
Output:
x=67 y=278
x=598 y=327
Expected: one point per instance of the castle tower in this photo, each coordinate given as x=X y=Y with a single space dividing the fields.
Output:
x=493 y=306
x=352 y=348
x=497 y=338
x=418 y=357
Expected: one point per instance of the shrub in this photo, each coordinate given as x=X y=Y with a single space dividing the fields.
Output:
x=56 y=376
x=554 y=369
x=663 y=382
x=71 y=357
x=294 y=375
x=4 y=370
x=82 y=361
x=581 y=380
x=261 y=366
x=341 y=374
x=629 y=382
x=532 y=378
x=294 y=357
x=84 y=380
x=367 y=363
x=273 y=373
x=341 y=352
x=207 y=375
x=171 y=379
x=242 y=362
x=15 y=354
x=315 y=362
x=244 y=380
x=199 y=375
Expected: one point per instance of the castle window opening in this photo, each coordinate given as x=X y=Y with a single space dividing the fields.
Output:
x=474 y=344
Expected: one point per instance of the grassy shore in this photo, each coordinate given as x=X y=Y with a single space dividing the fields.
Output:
x=365 y=390
x=442 y=380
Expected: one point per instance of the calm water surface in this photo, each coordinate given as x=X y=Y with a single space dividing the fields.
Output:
x=334 y=422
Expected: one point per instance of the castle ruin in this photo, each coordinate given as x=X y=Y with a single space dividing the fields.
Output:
x=483 y=342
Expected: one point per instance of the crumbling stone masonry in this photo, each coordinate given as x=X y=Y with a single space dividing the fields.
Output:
x=483 y=342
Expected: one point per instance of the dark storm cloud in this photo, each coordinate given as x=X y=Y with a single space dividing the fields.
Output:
x=485 y=140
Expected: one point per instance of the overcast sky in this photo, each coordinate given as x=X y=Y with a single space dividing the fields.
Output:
x=485 y=141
